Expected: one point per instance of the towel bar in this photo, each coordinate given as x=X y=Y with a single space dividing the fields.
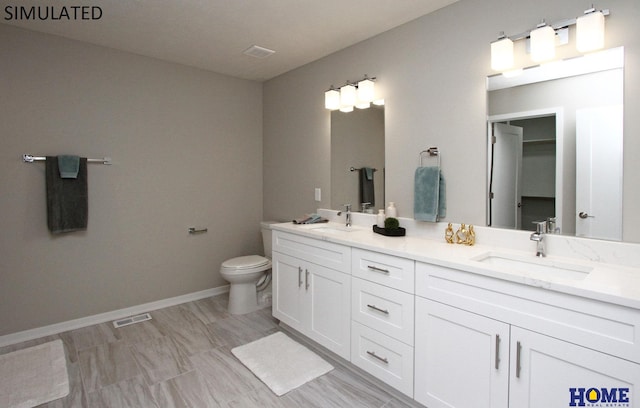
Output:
x=432 y=151
x=28 y=158
x=354 y=169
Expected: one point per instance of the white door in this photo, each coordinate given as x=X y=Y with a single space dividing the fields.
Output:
x=599 y=172
x=328 y=295
x=461 y=358
x=547 y=372
x=506 y=176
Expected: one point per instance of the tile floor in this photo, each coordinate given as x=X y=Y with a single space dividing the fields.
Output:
x=182 y=358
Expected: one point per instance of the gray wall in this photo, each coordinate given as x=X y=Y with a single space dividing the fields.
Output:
x=432 y=73
x=187 y=151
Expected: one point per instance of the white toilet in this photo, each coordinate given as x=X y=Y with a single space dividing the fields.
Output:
x=243 y=274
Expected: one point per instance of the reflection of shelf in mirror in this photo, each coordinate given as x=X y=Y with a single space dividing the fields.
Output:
x=539 y=197
x=539 y=141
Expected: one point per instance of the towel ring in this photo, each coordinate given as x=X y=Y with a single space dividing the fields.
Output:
x=432 y=152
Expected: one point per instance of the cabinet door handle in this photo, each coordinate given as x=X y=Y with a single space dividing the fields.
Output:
x=377 y=309
x=299 y=276
x=306 y=279
x=497 y=351
x=374 y=355
x=376 y=269
x=518 y=351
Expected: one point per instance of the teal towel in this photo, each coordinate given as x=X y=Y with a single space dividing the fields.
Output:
x=429 y=194
x=68 y=166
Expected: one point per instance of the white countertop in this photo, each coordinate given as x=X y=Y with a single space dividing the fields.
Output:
x=606 y=282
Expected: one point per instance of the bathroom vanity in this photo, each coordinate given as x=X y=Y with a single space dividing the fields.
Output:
x=459 y=326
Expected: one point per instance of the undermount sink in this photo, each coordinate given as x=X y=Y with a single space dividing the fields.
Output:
x=334 y=228
x=538 y=268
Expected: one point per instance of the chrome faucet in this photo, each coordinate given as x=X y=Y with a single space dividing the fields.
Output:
x=538 y=236
x=347 y=214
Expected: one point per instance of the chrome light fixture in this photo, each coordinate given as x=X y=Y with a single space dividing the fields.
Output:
x=590 y=31
x=543 y=43
x=353 y=94
x=545 y=37
x=502 y=53
x=332 y=99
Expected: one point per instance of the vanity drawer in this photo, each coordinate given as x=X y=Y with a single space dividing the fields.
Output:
x=383 y=357
x=387 y=310
x=606 y=327
x=328 y=254
x=387 y=270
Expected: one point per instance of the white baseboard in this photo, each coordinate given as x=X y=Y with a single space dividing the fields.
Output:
x=50 y=330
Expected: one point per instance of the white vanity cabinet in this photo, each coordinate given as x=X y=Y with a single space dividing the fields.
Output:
x=312 y=289
x=484 y=342
x=382 y=312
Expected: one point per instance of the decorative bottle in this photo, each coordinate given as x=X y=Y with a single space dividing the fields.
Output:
x=392 y=211
x=380 y=218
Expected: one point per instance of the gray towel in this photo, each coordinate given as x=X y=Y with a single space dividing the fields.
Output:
x=69 y=166
x=429 y=195
x=67 y=198
x=367 y=192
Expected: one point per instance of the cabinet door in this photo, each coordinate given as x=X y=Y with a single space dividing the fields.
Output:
x=288 y=288
x=328 y=302
x=547 y=372
x=461 y=359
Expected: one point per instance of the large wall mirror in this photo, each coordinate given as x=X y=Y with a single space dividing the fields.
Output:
x=555 y=147
x=357 y=159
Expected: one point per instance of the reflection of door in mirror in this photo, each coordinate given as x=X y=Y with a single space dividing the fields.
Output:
x=523 y=174
x=505 y=176
x=599 y=172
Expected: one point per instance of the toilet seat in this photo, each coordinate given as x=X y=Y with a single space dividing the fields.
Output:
x=246 y=264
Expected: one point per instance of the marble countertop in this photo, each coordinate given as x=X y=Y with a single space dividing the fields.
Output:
x=606 y=282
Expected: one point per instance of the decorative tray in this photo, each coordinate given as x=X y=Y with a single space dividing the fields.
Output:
x=398 y=232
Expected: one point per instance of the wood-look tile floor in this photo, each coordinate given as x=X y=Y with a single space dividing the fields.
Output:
x=182 y=358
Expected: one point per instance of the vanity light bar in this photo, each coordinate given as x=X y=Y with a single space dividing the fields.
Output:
x=590 y=37
x=360 y=94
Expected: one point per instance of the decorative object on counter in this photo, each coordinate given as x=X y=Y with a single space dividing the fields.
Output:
x=380 y=218
x=391 y=228
x=448 y=234
x=392 y=211
x=471 y=236
x=461 y=234
x=429 y=189
x=310 y=219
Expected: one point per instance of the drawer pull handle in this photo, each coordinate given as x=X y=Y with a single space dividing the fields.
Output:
x=306 y=279
x=374 y=355
x=299 y=276
x=497 y=351
x=518 y=351
x=377 y=309
x=376 y=269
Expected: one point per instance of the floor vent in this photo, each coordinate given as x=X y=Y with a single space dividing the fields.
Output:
x=131 y=320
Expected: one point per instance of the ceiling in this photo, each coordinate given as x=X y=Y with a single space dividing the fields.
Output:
x=212 y=34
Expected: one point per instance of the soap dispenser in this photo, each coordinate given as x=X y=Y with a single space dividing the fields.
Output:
x=392 y=211
x=380 y=218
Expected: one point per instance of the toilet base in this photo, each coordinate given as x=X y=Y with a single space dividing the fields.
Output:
x=243 y=298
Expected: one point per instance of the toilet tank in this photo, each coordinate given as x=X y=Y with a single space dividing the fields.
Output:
x=265 y=226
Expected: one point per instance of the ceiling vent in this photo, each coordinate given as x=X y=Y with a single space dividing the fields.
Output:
x=258 y=52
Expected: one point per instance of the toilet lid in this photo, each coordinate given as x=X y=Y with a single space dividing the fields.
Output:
x=245 y=262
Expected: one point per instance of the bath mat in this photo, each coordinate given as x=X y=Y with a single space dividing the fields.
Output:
x=281 y=363
x=33 y=376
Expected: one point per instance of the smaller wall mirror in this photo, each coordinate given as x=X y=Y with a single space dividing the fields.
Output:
x=357 y=144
